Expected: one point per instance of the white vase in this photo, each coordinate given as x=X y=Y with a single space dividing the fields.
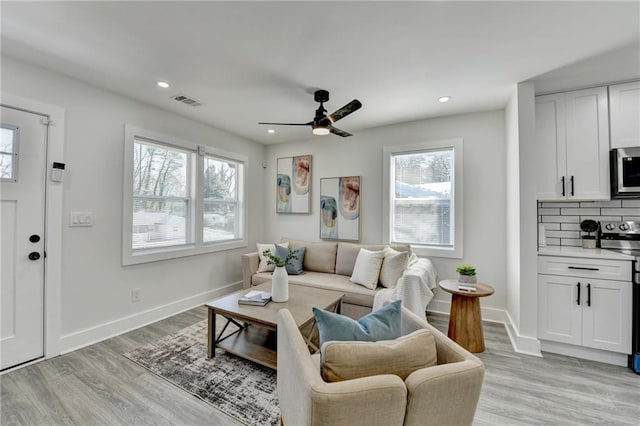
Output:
x=280 y=285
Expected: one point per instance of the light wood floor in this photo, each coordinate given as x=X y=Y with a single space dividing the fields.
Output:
x=98 y=386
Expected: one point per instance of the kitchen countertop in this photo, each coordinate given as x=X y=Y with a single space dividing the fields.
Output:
x=582 y=252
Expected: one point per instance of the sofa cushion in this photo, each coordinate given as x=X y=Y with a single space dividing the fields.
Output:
x=367 y=268
x=354 y=294
x=394 y=264
x=319 y=256
x=264 y=267
x=294 y=266
x=347 y=254
x=402 y=356
x=383 y=324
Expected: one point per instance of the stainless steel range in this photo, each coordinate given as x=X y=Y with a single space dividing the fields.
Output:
x=624 y=237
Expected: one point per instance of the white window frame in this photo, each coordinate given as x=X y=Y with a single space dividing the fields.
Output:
x=194 y=244
x=456 y=251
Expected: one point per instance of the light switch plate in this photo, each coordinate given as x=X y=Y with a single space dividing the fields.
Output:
x=81 y=219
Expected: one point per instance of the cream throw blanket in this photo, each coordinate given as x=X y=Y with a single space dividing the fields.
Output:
x=415 y=287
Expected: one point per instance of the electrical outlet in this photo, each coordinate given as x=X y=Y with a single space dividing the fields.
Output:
x=135 y=295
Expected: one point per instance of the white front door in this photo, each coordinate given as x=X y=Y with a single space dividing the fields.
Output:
x=22 y=216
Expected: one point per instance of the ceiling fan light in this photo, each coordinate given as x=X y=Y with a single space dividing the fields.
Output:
x=320 y=130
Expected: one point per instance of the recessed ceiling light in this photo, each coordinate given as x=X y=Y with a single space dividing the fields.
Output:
x=163 y=84
x=271 y=131
x=444 y=99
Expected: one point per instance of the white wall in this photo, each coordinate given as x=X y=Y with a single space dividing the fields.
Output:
x=484 y=187
x=513 y=208
x=96 y=289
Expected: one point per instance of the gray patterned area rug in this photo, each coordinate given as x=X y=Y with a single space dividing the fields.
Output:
x=240 y=388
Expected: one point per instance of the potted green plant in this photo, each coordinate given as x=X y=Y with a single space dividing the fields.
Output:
x=280 y=279
x=589 y=226
x=467 y=274
x=272 y=259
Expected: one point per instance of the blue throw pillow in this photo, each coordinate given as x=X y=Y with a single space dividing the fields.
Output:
x=383 y=324
x=294 y=267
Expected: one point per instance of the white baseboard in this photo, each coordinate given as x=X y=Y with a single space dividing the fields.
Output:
x=79 y=339
x=585 y=353
x=521 y=344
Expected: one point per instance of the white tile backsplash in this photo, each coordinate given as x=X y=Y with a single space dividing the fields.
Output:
x=562 y=219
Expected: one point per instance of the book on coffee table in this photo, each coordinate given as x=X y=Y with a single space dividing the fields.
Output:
x=257 y=298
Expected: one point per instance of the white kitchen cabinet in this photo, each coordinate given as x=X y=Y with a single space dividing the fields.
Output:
x=582 y=310
x=624 y=114
x=572 y=138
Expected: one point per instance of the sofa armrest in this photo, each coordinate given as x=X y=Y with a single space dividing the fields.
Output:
x=250 y=263
x=445 y=394
x=306 y=399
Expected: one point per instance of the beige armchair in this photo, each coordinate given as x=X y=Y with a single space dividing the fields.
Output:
x=445 y=394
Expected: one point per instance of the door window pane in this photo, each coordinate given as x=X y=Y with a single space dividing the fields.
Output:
x=6 y=166
x=7 y=153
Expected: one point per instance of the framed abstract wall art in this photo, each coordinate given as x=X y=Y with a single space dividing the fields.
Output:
x=293 y=184
x=340 y=208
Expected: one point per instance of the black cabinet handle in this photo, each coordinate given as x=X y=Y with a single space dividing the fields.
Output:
x=563 y=193
x=583 y=268
x=34 y=255
x=578 y=299
x=589 y=294
x=572 y=194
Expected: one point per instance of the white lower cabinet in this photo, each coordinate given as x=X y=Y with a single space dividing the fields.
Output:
x=585 y=311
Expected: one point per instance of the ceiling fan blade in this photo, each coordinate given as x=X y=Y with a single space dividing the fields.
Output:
x=352 y=106
x=339 y=132
x=290 y=124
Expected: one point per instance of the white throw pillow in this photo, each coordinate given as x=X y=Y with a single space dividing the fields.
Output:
x=263 y=267
x=367 y=268
x=394 y=264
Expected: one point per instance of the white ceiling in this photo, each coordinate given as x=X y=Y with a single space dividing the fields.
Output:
x=261 y=61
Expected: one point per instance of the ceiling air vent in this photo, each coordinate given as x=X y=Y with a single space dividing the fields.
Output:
x=186 y=100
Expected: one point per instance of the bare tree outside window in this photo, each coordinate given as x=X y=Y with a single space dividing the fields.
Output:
x=220 y=197
x=160 y=196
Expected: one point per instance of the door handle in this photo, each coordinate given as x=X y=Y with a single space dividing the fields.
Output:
x=578 y=299
x=563 y=192
x=34 y=238
x=572 y=194
x=582 y=268
x=589 y=294
x=34 y=255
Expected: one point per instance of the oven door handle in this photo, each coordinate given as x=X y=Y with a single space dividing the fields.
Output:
x=583 y=268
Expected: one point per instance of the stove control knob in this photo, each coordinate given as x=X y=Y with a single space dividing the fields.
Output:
x=624 y=227
x=609 y=227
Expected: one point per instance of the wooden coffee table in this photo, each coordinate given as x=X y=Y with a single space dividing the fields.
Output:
x=256 y=338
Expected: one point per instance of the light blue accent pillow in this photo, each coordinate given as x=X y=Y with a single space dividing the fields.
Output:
x=294 y=267
x=383 y=324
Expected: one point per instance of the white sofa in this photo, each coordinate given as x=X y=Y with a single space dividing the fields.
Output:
x=329 y=265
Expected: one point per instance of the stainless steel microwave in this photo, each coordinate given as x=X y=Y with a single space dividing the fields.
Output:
x=625 y=173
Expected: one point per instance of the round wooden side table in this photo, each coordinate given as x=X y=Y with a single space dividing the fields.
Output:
x=465 y=320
